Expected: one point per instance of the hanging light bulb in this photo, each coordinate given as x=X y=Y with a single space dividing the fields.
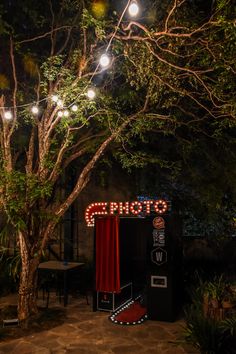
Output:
x=74 y=108
x=104 y=60
x=8 y=115
x=60 y=114
x=54 y=98
x=66 y=113
x=133 y=9
x=91 y=93
x=59 y=103
x=35 y=110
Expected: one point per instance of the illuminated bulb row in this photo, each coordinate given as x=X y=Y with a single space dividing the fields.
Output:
x=87 y=217
x=91 y=94
x=64 y=113
x=35 y=110
x=112 y=317
x=8 y=114
x=89 y=214
x=99 y=213
x=104 y=204
x=104 y=61
x=120 y=309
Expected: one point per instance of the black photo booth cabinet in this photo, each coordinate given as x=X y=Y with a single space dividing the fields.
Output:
x=150 y=254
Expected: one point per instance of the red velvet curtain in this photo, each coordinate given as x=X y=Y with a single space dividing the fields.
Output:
x=107 y=254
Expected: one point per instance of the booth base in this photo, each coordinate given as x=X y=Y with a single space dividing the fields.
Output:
x=107 y=301
x=163 y=298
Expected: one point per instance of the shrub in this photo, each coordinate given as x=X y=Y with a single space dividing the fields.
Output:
x=208 y=335
x=209 y=329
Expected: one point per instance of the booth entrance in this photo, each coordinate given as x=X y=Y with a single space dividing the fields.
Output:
x=142 y=257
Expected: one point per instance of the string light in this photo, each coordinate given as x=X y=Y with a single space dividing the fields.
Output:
x=35 y=110
x=74 y=108
x=60 y=103
x=8 y=115
x=104 y=60
x=91 y=93
x=54 y=98
x=133 y=9
x=66 y=113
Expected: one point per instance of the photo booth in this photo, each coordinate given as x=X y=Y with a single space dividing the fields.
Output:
x=138 y=256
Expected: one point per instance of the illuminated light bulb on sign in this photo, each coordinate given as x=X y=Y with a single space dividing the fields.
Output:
x=148 y=205
x=113 y=207
x=133 y=9
x=95 y=209
x=8 y=115
x=160 y=206
x=135 y=208
x=91 y=94
x=104 y=60
x=35 y=110
x=124 y=208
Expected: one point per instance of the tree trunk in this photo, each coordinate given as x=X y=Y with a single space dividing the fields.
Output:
x=27 y=300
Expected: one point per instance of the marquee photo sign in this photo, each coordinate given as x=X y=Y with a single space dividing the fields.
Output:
x=134 y=208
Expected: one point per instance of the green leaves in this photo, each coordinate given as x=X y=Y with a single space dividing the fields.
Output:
x=52 y=66
x=88 y=21
x=20 y=191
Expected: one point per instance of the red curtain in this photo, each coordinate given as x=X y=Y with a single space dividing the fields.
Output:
x=107 y=254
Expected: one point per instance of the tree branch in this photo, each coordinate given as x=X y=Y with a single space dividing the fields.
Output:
x=30 y=153
x=84 y=175
x=46 y=34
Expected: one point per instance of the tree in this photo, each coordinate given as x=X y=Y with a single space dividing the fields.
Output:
x=186 y=62
x=147 y=88
x=37 y=149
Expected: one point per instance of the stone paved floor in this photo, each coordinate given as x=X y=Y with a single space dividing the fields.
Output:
x=87 y=332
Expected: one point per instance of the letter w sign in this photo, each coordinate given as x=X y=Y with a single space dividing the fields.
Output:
x=159 y=256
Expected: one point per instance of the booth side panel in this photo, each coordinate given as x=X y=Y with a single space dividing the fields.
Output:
x=164 y=276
